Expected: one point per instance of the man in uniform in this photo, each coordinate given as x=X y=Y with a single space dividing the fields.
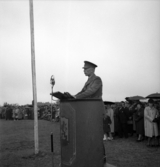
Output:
x=92 y=88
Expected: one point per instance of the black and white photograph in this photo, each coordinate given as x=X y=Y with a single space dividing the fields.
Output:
x=79 y=83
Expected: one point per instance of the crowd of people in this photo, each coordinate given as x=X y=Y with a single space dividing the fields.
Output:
x=122 y=119
x=16 y=112
x=127 y=118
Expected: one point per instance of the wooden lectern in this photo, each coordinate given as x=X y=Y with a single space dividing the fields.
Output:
x=81 y=133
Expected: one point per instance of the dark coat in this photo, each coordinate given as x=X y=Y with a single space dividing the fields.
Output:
x=9 y=113
x=106 y=124
x=139 y=119
x=116 y=120
x=92 y=89
x=158 y=122
x=123 y=115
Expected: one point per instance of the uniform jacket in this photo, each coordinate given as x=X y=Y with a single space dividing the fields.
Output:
x=92 y=89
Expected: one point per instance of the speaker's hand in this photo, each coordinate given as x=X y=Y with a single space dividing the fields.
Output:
x=68 y=95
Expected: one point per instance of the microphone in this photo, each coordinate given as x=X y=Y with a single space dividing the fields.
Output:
x=52 y=80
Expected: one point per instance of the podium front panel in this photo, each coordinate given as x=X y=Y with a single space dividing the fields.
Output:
x=81 y=133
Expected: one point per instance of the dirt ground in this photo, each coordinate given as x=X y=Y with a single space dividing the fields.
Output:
x=17 y=147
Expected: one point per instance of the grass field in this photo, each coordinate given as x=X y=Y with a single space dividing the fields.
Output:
x=17 y=144
x=17 y=147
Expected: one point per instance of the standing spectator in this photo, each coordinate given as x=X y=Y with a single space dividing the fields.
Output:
x=25 y=115
x=123 y=118
x=16 y=113
x=20 y=114
x=57 y=115
x=157 y=119
x=4 y=112
x=151 y=128
x=8 y=113
x=116 y=119
x=139 y=118
x=13 y=113
x=131 y=119
x=29 y=113
x=40 y=112
x=106 y=126
x=23 y=112
x=54 y=110
x=110 y=113
x=0 y=112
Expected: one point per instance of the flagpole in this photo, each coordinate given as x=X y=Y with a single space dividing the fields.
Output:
x=36 y=143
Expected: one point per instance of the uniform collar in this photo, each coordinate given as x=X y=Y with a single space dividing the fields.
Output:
x=92 y=76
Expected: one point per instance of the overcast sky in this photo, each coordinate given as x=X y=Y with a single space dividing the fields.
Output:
x=121 y=37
